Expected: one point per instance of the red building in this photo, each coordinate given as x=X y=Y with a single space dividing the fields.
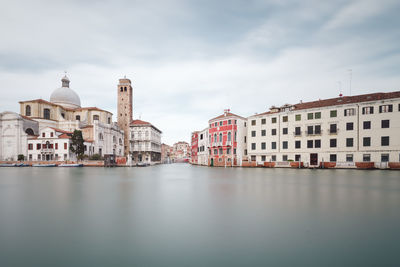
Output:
x=194 y=148
x=226 y=139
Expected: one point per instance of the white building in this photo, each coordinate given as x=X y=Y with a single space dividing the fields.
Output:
x=344 y=131
x=203 y=147
x=14 y=133
x=145 y=143
x=53 y=145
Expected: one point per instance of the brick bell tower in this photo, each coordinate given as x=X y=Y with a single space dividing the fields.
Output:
x=125 y=109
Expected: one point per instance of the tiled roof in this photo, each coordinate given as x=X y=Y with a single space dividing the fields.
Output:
x=140 y=122
x=64 y=136
x=60 y=131
x=226 y=115
x=39 y=101
x=346 y=100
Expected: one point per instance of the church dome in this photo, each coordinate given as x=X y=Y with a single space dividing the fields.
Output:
x=65 y=96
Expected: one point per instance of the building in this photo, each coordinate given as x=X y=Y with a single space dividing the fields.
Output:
x=64 y=112
x=348 y=131
x=167 y=154
x=54 y=145
x=145 y=143
x=203 y=147
x=125 y=109
x=227 y=140
x=15 y=130
x=194 y=148
x=181 y=151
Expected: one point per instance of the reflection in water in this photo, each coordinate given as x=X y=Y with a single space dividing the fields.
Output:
x=182 y=215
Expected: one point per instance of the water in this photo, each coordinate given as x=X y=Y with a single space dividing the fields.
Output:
x=182 y=215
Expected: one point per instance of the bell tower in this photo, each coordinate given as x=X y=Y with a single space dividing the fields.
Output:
x=125 y=109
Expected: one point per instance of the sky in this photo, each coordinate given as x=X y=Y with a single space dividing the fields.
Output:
x=190 y=60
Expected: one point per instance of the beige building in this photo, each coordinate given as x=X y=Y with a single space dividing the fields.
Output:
x=343 y=130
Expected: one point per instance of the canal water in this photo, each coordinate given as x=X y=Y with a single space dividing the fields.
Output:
x=182 y=215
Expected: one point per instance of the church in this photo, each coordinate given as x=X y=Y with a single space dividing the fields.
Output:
x=64 y=114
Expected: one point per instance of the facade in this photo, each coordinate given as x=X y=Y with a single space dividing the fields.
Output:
x=181 y=151
x=54 y=145
x=145 y=143
x=194 y=148
x=125 y=109
x=203 y=145
x=343 y=132
x=64 y=112
x=227 y=138
x=167 y=154
x=15 y=130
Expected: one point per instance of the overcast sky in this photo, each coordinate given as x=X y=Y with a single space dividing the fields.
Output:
x=189 y=60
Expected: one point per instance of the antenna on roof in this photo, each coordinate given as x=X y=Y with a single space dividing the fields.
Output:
x=350 y=76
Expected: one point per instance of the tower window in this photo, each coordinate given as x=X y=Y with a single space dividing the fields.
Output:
x=27 y=110
x=122 y=89
x=77 y=117
x=125 y=89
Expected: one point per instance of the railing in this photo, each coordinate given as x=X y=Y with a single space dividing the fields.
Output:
x=47 y=150
x=313 y=133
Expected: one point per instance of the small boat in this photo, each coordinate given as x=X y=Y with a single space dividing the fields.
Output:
x=70 y=165
x=21 y=165
x=44 y=165
x=7 y=165
x=142 y=164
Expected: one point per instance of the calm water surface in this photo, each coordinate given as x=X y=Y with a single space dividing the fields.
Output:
x=182 y=215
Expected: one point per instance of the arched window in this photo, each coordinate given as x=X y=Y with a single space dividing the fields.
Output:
x=78 y=117
x=125 y=89
x=46 y=114
x=122 y=89
x=109 y=120
x=27 y=110
x=215 y=138
x=29 y=131
x=229 y=136
x=95 y=117
x=235 y=136
x=220 y=137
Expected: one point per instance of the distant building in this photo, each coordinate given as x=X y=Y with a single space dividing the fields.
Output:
x=181 y=151
x=145 y=143
x=167 y=154
x=203 y=147
x=194 y=148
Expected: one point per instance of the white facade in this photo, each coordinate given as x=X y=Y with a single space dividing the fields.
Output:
x=145 y=143
x=14 y=133
x=344 y=130
x=203 y=147
x=53 y=145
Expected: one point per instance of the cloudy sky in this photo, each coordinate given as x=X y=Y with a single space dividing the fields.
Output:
x=189 y=60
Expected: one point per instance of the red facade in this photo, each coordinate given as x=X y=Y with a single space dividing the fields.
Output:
x=194 y=147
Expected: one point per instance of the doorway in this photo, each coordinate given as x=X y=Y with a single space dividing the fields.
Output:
x=212 y=162
x=313 y=159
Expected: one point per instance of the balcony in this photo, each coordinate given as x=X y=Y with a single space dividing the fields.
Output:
x=47 y=150
x=333 y=131
x=297 y=133
x=313 y=133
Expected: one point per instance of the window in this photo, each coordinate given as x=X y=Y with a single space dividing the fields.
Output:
x=57 y=146
x=27 y=110
x=245 y=139
x=310 y=130
x=284 y=144
x=366 y=157
x=310 y=116
x=216 y=124
x=234 y=151
x=332 y=142
x=385 y=141
x=263 y=146
x=273 y=158
x=43 y=134
x=263 y=132
x=263 y=121
x=349 y=112
x=220 y=123
x=349 y=142
x=318 y=115
x=273 y=120
x=349 y=157
x=297 y=131
x=367 y=141
x=235 y=137
x=273 y=145
x=263 y=158
x=253 y=122
x=46 y=114
x=220 y=137
x=297 y=144
x=285 y=118
x=366 y=125
x=95 y=117
x=385 y=108
x=109 y=120
x=317 y=143
x=253 y=133
x=333 y=128
x=229 y=122
x=297 y=157
x=30 y=146
x=215 y=138
x=51 y=134
x=220 y=151
x=245 y=152
x=368 y=110
x=284 y=158
x=385 y=123
x=384 y=157
x=332 y=157
x=253 y=158
x=215 y=151
x=273 y=131
x=65 y=145
x=229 y=136
x=333 y=113
x=38 y=146
x=298 y=117
x=349 y=126
x=253 y=146
x=284 y=130
x=77 y=117
x=310 y=143
x=317 y=129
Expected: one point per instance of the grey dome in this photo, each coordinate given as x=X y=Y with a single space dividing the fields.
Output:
x=65 y=96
